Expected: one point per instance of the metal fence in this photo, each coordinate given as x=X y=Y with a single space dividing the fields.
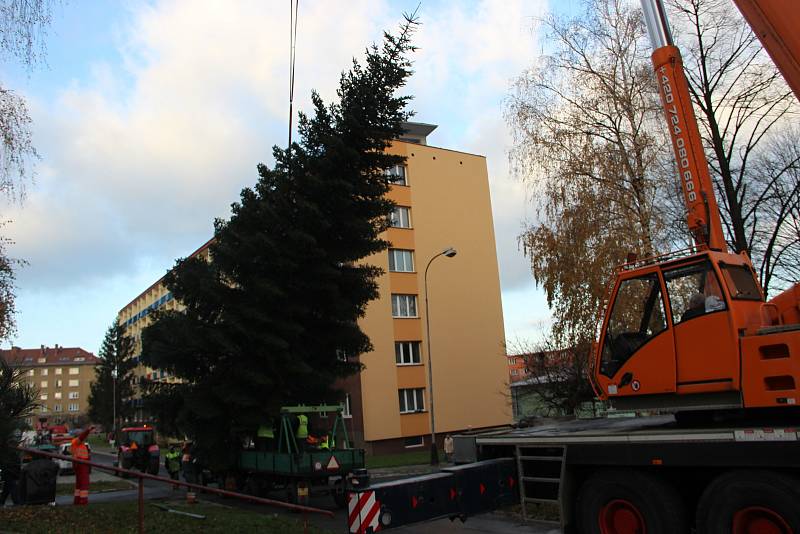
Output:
x=142 y=476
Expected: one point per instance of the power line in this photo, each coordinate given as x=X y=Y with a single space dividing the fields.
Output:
x=293 y=16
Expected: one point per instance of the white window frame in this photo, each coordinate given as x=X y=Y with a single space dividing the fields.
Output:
x=400 y=217
x=57 y=395
x=404 y=353
x=404 y=306
x=59 y=370
x=43 y=396
x=43 y=384
x=74 y=370
x=396 y=175
x=59 y=383
x=347 y=412
x=74 y=407
x=44 y=372
x=411 y=400
x=74 y=395
x=74 y=383
x=56 y=407
x=30 y=372
x=401 y=260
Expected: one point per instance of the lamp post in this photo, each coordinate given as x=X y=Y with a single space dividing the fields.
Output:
x=114 y=402
x=448 y=252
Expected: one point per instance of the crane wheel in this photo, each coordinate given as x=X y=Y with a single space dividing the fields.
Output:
x=629 y=502
x=750 y=502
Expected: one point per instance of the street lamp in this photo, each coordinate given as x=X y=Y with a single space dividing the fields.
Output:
x=114 y=402
x=448 y=252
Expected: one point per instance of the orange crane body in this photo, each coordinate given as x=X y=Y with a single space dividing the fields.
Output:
x=691 y=329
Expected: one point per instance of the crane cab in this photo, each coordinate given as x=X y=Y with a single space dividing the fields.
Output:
x=673 y=332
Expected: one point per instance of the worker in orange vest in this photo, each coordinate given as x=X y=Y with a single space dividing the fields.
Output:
x=80 y=451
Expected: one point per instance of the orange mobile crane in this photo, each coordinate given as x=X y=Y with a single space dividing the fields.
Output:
x=691 y=330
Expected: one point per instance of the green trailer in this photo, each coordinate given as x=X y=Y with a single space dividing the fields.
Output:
x=300 y=466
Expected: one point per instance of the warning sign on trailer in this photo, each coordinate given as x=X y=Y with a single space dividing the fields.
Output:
x=333 y=465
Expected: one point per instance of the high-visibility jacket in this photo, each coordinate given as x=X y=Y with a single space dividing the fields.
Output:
x=79 y=450
x=302 y=428
x=173 y=461
x=324 y=443
x=265 y=431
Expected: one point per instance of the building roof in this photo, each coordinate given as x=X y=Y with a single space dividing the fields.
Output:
x=17 y=357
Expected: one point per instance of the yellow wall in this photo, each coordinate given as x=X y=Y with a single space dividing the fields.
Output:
x=448 y=194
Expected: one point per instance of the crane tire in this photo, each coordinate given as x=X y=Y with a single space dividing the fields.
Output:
x=749 y=502
x=628 y=501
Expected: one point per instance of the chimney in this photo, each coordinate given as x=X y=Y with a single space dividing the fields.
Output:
x=44 y=350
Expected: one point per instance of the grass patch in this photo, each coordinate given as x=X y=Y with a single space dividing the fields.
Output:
x=122 y=517
x=95 y=487
x=397 y=460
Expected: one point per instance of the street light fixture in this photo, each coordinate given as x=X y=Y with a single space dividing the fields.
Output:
x=448 y=252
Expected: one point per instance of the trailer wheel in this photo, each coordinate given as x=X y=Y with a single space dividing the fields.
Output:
x=750 y=502
x=629 y=502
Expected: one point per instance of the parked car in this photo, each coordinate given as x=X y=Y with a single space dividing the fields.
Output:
x=65 y=466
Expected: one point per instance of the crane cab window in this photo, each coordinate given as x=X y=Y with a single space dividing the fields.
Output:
x=741 y=282
x=693 y=291
x=637 y=316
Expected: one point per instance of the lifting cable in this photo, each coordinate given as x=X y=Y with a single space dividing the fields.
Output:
x=293 y=16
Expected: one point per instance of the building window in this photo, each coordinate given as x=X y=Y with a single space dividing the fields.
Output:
x=404 y=305
x=416 y=441
x=412 y=400
x=58 y=370
x=81 y=359
x=73 y=383
x=44 y=372
x=407 y=352
x=513 y=372
x=346 y=412
x=57 y=395
x=73 y=407
x=59 y=383
x=401 y=261
x=396 y=175
x=74 y=370
x=43 y=396
x=43 y=383
x=30 y=372
x=400 y=217
x=56 y=407
x=73 y=395
x=44 y=408
x=341 y=355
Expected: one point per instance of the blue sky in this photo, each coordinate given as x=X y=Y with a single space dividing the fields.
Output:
x=151 y=116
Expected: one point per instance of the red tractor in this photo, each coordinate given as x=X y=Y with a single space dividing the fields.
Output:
x=137 y=449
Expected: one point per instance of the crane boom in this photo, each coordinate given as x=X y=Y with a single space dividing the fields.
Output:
x=702 y=213
x=775 y=23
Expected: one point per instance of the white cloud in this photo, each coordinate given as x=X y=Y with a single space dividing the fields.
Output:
x=140 y=157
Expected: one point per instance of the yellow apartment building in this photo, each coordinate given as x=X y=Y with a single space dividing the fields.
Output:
x=443 y=201
x=62 y=375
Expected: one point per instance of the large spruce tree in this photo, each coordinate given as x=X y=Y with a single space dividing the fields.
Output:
x=277 y=303
x=115 y=359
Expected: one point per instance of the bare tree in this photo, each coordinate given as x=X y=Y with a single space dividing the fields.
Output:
x=23 y=27
x=589 y=140
x=745 y=110
x=558 y=378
